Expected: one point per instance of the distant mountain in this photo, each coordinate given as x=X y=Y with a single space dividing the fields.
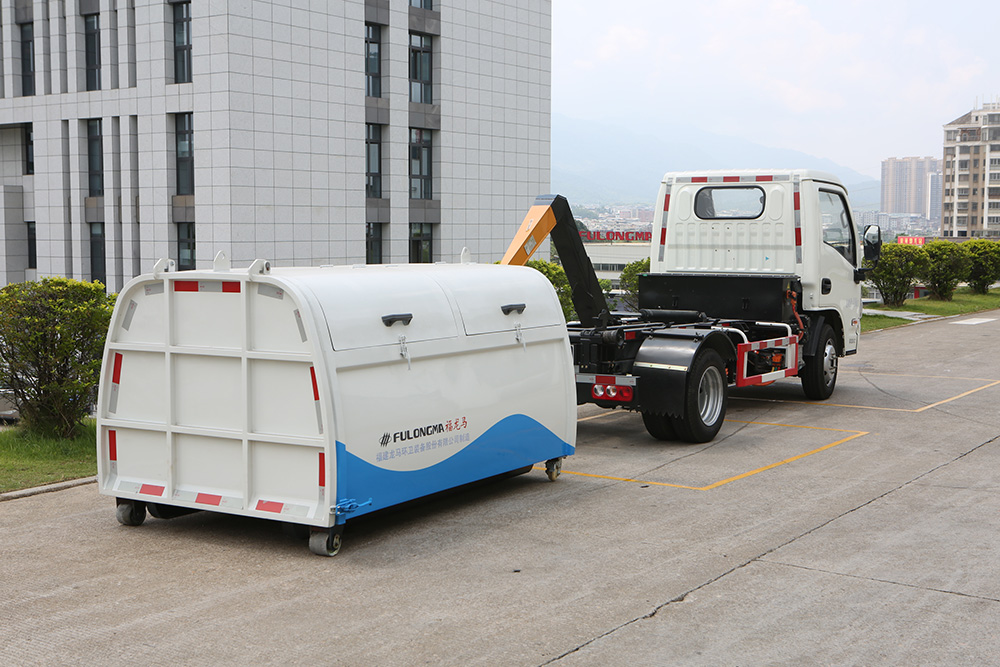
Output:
x=594 y=163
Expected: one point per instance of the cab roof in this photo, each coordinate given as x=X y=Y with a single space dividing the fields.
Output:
x=749 y=176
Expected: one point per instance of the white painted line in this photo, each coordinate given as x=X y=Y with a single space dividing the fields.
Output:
x=976 y=320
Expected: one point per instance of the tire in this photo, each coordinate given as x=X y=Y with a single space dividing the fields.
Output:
x=659 y=426
x=819 y=375
x=704 y=399
x=130 y=512
x=325 y=542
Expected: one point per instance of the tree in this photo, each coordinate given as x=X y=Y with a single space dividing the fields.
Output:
x=948 y=264
x=985 y=270
x=557 y=276
x=629 y=283
x=52 y=335
x=897 y=271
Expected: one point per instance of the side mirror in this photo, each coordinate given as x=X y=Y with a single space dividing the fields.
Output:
x=873 y=243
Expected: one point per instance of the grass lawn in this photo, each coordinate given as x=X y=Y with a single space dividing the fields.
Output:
x=964 y=302
x=29 y=461
x=875 y=322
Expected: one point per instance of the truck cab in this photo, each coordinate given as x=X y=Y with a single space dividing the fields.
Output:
x=746 y=225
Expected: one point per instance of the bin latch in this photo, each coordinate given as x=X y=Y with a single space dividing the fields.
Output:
x=403 y=352
x=346 y=506
x=519 y=336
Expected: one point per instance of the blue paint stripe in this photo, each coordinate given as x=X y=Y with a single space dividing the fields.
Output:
x=512 y=443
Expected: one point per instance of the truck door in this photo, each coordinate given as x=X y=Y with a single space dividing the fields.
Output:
x=839 y=258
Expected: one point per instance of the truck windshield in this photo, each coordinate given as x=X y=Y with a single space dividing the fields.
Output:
x=733 y=203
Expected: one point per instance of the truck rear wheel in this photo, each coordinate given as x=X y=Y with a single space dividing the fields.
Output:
x=659 y=426
x=704 y=399
x=819 y=375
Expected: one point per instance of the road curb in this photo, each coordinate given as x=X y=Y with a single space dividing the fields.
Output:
x=48 y=488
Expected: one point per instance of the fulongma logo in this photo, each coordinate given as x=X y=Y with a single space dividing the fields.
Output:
x=411 y=434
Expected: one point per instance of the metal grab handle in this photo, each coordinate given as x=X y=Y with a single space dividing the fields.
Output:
x=511 y=307
x=389 y=320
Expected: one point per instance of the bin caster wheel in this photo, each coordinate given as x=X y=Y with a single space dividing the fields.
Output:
x=325 y=542
x=130 y=512
x=552 y=468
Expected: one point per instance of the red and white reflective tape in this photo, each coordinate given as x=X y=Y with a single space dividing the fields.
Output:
x=663 y=225
x=797 y=199
x=112 y=456
x=322 y=480
x=288 y=509
x=791 y=346
x=620 y=380
x=116 y=377
x=226 y=286
x=758 y=178
x=140 y=488
x=319 y=406
x=208 y=499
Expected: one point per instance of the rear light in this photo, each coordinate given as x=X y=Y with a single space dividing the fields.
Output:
x=612 y=392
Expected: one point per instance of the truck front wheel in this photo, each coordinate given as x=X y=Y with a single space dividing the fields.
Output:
x=819 y=375
x=704 y=399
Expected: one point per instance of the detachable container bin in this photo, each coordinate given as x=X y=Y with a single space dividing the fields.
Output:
x=316 y=395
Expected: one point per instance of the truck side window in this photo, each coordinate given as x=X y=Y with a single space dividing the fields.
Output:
x=838 y=230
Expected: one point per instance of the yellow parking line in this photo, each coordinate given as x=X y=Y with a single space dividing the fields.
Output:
x=855 y=434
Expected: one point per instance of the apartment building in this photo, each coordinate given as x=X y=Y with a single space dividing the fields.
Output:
x=905 y=185
x=971 y=175
x=303 y=132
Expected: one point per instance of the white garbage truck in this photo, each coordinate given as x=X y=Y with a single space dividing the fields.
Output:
x=754 y=276
x=314 y=396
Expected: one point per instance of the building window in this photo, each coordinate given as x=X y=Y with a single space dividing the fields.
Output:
x=27 y=59
x=421 y=242
x=29 y=150
x=373 y=60
x=95 y=158
x=98 y=271
x=420 y=69
x=185 y=246
x=32 y=246
x=373 y=160
x=184 y=136
x=422 y=4
x=182 y=42
x=420 y=164
x=373 y=243
x=92 y=49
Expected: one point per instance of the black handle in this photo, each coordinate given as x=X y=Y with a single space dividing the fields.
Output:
x=511 y=307
x=826 y=286
x=389 y=320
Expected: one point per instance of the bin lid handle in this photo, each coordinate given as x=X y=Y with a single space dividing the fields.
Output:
x=511 y=307
x=389 y=320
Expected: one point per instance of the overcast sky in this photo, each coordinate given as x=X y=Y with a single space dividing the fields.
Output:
x=855 y=81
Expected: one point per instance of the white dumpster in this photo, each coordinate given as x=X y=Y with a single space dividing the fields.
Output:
x=316 y=395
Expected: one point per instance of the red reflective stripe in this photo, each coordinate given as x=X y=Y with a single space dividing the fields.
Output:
x=761 y=179
x=322 y=469
x=269 y=506
x=151 y=490
x=629 y=335
x=116 y=374
x=798 y=236
x=208 y=499
x=699 y=179
x=730 y=179
x=231 y=286
x=666 y=203
x=312 y=372
x=113 y=445
x=663 y=236
x=796 y=201
x=185 y=285
x=605 y=379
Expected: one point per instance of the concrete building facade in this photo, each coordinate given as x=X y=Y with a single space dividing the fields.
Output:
x=299 y=131
x=971 y=175
x=905 y=184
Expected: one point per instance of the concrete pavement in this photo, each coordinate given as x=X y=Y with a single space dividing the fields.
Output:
x=856 y=531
